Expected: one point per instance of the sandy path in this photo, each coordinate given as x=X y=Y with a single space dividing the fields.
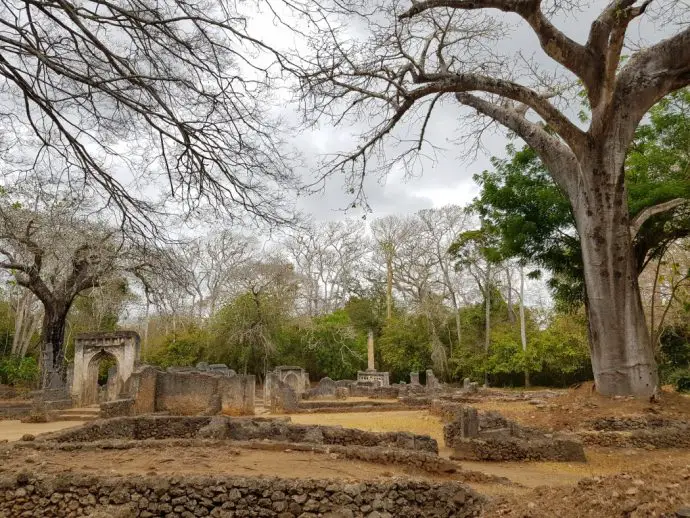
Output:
x=12 y=430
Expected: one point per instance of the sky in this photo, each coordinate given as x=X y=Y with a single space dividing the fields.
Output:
x=447 y=179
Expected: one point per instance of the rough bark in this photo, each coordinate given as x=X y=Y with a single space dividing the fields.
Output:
x=53 y=338
x=622 y=355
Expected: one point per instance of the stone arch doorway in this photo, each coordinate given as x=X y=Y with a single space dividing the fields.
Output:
x=91 y=350
x=101 y=379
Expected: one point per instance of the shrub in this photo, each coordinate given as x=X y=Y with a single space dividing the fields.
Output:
x=18 y=371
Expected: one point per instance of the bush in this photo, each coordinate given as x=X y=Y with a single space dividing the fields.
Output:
x=18 y=371
x=679 y=378
x=178 y=350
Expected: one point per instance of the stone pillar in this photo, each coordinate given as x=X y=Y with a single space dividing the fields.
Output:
x=469 y=422
x=414 y=378
x=466 y=383
x=370 y=352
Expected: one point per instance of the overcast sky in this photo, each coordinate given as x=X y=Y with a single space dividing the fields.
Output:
x=447 y=179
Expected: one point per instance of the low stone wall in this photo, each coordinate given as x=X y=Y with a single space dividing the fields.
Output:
x=490 y=436
x=663 y=437
x=117 y=408
x=238 y=429
x=345 y=405
x=31 y=495
x=623 y=424
x=516 y=449
x=15 y=409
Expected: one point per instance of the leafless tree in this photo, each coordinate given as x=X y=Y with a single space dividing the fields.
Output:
x=328 y=258
x=58 y=251
x=423 y=54
x=443 y=226
x=171 y=93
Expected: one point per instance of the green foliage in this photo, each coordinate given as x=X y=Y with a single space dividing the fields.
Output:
x=674 y=357
x=329 y=345
x=18 y=371
x=245 y=333
x=404 y=346
x=556 y=355
x=520 y=201
x=182 y=349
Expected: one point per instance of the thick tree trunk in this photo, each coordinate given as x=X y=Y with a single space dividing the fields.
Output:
x=622 y=355
x=53 y=338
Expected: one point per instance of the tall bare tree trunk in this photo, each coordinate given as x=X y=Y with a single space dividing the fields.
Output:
x=487 y=316
x=53 y=338
x=389 y=286
x=25 y=324
x=458 y=324
x=622 y=354
x=511 y=309
x=523 y=331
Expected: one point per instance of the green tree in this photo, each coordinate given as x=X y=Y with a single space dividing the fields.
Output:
x=534 y=219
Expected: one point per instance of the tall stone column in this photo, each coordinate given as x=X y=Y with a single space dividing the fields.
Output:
x=370 y=352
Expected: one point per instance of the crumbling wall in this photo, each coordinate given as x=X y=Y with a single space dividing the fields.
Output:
x=30 y=495
x=677 y=436
x=185 y=393
x=516 y=449
x=237 y=394
x=239 y=429
x=490 y=436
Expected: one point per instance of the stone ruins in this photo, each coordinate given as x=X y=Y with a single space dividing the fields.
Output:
x=122 y=347
x=371 y=375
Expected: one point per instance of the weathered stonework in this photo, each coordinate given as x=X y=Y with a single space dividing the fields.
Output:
x=31 y=495
x=89 y=350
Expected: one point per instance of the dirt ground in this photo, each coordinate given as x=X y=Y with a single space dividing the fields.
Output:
x=12 y=430
x=200 y=460
x=571 y=408
x=613 y=481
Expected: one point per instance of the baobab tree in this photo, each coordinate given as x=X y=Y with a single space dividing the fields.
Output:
x=423 y=54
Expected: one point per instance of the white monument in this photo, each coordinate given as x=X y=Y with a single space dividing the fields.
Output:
x=371 y=375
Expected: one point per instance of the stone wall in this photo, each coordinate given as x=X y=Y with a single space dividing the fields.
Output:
x=185 y=393
x=30 y=495
x=280 y=397
x=662 y=437
x=117 y=408
x=237 y=394
x=490 y=436
x=182 y=393
x=239 y=429
x=503 y=449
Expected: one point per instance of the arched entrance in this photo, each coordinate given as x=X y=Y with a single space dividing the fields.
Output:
x=108 y=357
x=102 y=380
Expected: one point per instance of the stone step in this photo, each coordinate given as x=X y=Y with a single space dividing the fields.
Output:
x=76 y=417
x=81 y=411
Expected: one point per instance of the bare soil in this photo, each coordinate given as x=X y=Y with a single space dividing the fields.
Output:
x=13 y=430
x=197 y=460
x=613 y=482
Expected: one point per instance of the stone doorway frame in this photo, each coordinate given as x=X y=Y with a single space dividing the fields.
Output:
x=89 y=349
